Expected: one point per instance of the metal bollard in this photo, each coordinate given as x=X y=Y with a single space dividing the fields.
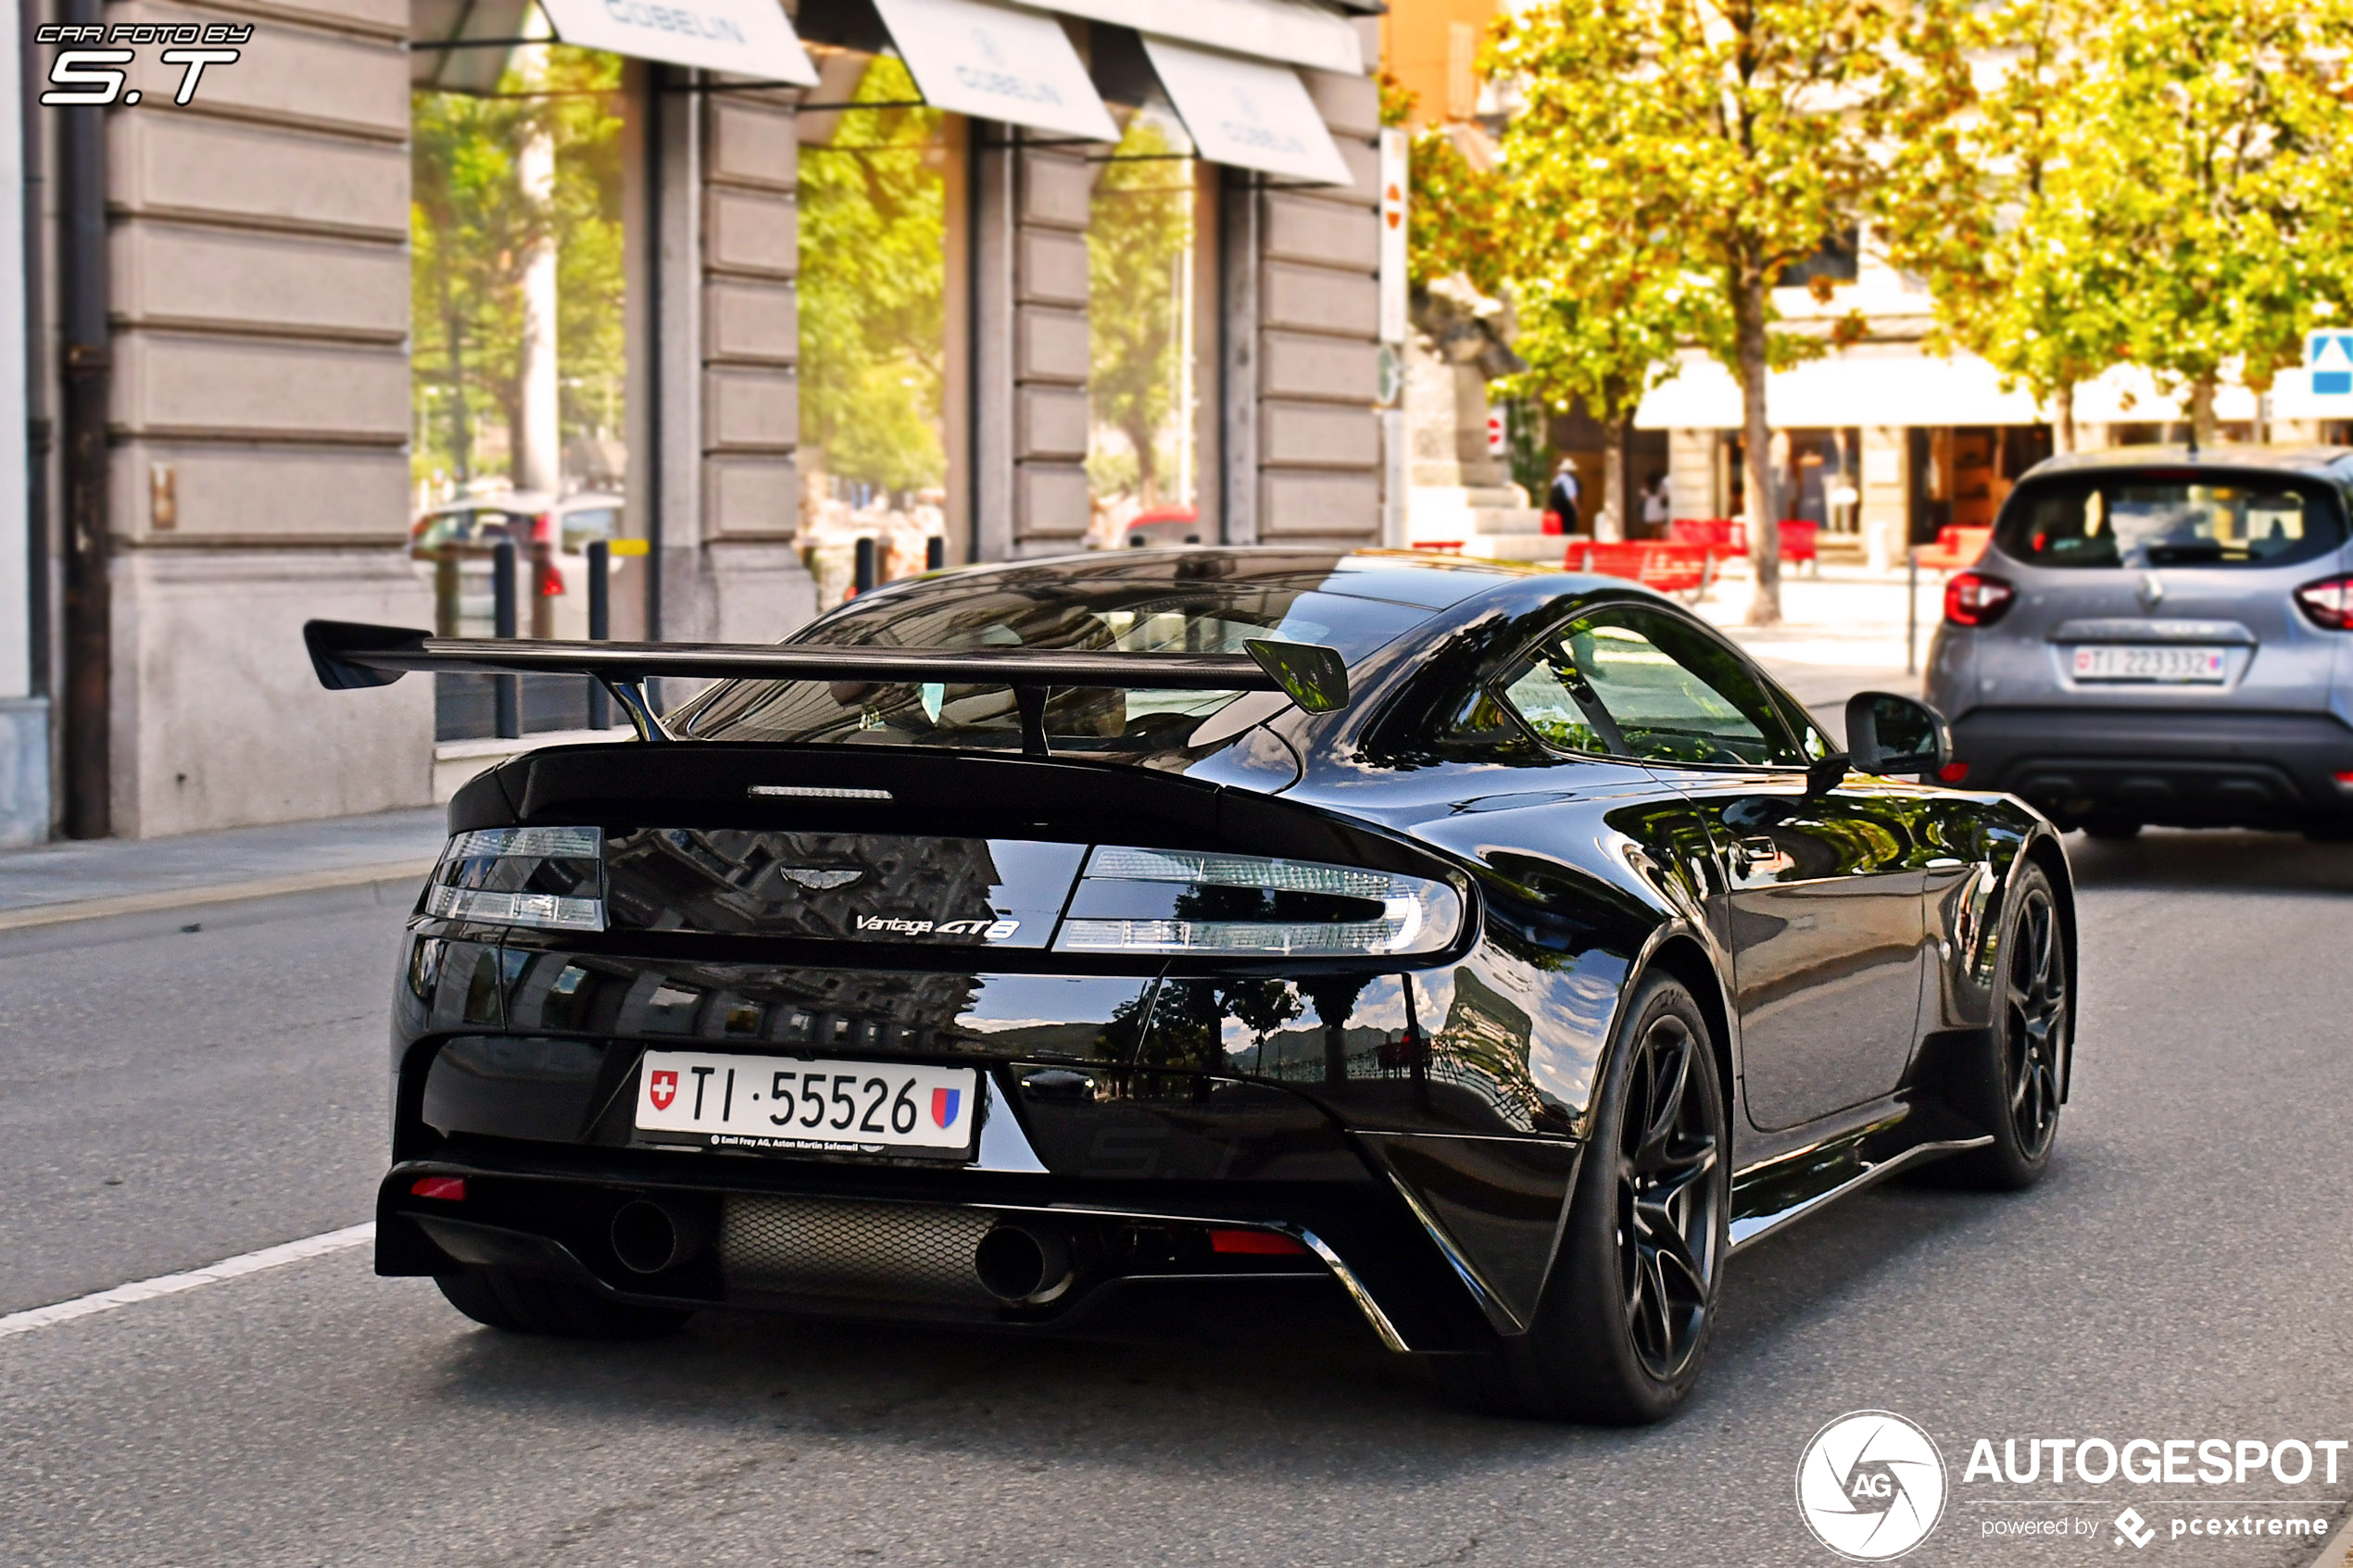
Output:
x=934 y=553
x=507 y=692
x=865 y=579
x=444 y=592
x=1911 y=609
x=599 y=625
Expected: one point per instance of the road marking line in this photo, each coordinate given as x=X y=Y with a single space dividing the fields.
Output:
x=36 y=915
x=171 y=1284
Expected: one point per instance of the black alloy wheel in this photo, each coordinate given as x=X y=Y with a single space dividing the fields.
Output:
x=2010 y=1084
x=2034 y=1022
x=1669 y=1201
x=1620 y=1331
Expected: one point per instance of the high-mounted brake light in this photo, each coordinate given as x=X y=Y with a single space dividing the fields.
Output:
x=1974 y=599
x=1248 y=906
x=553 y=878
x=2328 y=602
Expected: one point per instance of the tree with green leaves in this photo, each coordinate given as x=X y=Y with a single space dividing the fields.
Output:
x=2153 y=182
x=1985 y=202
x=1603 y=293
x=2214 y=137
x=1757 y=125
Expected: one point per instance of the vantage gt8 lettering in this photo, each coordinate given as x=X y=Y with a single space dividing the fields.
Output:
x=1499 y=951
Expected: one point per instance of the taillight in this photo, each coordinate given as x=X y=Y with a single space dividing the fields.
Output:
x=1974 y=599
x=2328 y=602
x=1953 y=772
x=553 y=878
x=1251 y=906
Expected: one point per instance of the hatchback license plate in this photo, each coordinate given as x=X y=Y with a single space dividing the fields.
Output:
x=2128 y=661
x=787 y=1104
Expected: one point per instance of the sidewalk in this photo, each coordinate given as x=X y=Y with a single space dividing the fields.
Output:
x=96 y=878
x=1841 y=633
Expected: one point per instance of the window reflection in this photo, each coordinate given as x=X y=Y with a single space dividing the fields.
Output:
x=1142 y=461
x=874 y=232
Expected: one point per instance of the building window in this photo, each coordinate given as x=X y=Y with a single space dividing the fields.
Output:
x=518 y=356
x=1143 y=262
x=878 y=217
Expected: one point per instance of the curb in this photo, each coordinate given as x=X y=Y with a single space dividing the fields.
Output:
x=41 y=915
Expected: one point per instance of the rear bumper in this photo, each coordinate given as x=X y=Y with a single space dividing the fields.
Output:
x=2164 y=766
x=868 y=1242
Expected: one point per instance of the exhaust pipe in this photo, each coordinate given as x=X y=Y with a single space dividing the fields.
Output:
x=1024 y=1265
x=649 y=1235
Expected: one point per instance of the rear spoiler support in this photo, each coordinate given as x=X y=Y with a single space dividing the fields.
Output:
x=350 y=655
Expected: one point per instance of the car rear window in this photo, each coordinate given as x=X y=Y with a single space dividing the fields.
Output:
x=2137 y=519
x=988 y=612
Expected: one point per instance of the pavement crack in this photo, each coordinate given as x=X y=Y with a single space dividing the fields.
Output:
x=562 y=1545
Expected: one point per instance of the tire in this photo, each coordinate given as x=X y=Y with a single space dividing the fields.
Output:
x=522 y=1303
x=2010 y=1084
x=1622 y=1329
x=2112 y=830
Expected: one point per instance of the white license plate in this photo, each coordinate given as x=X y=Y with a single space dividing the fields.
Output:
x=785 y=1103
x=2127 y=662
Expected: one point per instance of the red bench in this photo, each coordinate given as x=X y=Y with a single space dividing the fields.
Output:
x=1670 y=566
x=1724 y=537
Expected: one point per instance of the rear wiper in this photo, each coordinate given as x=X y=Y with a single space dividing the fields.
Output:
x=2192 y=552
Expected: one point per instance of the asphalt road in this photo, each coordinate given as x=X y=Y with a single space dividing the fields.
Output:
x=175 y=1097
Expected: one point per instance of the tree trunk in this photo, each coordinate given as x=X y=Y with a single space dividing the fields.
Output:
x=2063 y=429
x=2202 y=411
x=1756 y=451
x=1610 y=523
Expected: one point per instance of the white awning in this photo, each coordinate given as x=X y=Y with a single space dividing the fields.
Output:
x=997 y=62
x=1290 y=31
x=743 y=37
x=1251 y=113
x=1895 y=387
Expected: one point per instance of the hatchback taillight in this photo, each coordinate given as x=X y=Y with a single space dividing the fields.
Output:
x=1974 y=599
x=2328 y=602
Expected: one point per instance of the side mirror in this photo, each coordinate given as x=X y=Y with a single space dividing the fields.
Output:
x=1891 y=735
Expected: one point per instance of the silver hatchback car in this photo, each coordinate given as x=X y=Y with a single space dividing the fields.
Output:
x=2161 y=634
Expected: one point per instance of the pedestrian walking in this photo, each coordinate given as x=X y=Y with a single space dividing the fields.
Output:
x=1562 y=498
x=1657 y=507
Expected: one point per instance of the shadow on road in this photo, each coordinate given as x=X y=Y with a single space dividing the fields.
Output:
x=2211 y=861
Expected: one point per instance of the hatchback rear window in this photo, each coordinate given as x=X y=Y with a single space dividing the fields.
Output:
x=2137 y=519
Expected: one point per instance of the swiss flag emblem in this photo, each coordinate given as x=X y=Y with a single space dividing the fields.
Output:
x=663 y=1089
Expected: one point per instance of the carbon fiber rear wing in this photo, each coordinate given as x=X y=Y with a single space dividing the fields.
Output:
x=350 y=655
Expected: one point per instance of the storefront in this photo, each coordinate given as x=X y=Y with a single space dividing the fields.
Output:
x=1018 y=280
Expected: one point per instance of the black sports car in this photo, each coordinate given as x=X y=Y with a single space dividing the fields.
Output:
x=1500 y=947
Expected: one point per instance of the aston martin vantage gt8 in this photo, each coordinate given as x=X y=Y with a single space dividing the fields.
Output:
x=1502 y=949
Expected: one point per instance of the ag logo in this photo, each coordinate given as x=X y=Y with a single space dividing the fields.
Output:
x=1870 y=1485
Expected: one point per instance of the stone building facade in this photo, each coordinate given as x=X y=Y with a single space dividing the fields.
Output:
x=256 y=281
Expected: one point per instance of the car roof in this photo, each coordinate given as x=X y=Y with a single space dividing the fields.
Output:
x=2314 y=460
